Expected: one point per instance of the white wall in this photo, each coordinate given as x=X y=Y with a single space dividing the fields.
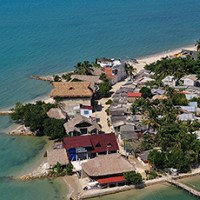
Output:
x=86 y=112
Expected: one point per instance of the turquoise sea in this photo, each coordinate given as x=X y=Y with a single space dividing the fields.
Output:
x=40 y=37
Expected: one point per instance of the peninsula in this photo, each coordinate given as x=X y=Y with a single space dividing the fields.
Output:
x=141 y=114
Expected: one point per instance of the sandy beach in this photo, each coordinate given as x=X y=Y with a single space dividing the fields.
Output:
x=153 y=58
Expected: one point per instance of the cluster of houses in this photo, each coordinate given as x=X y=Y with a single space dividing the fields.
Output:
x=93 y=153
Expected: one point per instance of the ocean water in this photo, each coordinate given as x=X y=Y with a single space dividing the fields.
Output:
x=155 y=192
x=39 y=37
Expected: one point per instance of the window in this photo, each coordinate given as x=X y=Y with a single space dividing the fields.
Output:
x=86 y=112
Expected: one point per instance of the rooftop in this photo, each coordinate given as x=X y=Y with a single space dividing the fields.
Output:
x=104 y=165
x=57 y=155
x=71 y=89
x=99 y=143
x=134 y=94
x=56 y=113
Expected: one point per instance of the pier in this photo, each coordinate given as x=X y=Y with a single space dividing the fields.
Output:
x=47 y=78
x=7 y=112
x=184 y=187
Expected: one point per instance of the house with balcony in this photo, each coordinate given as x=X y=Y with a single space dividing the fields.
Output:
x=107 y=170
x=90 y=146
x=82 y=125
x=113 y=69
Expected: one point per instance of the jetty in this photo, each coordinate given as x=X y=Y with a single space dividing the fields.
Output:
x=184 y=187
x=47 y=78
x=7 y=112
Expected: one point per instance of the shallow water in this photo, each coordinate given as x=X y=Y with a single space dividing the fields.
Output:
x=155 y=192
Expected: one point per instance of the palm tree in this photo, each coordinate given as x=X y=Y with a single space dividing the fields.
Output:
x=198 y=44
x=130 y=70
x=84 y=68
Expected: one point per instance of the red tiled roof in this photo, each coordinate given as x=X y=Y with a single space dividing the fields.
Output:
x=134 y=94
x=116 y=179
x=86 y=107
x=104 y=142
x=77 y=141
x=99 y=143
x=108 y=72
x=183 y=92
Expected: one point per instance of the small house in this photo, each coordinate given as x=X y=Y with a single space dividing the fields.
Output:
x=72 y=93
x=81 y=125
x=132 y=96
x=170 y=81
x=108 y=170
x=55 y=156
x=190 y=80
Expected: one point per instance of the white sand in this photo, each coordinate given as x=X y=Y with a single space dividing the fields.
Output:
x=152 y=58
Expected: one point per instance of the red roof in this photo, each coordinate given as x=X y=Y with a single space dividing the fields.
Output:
x=86 y=107
x=77 y=141
x=134 y=94
x=99 y=143
x=108 y=72
x=183 y=92
x=104 y=142
x=116 y=179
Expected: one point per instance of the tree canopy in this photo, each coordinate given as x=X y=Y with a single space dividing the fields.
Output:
x=35 y=117
x=133 y=177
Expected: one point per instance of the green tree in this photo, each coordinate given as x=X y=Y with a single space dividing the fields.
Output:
x=56 y=78
x=157 y=159
x=146 y=92
x=32 y=115
x=133 y=177
x=84 y=68
x=69 y=169
x=179 y=100
x=197 y=44
x=103 y=77
x=54 y=128
x=130 y=70
x=147 y=142
x=104 y=89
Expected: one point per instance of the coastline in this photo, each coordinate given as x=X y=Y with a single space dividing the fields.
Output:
x=142 y=62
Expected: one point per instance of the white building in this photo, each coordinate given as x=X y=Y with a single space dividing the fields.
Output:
x=114 y=72
x=170 y=81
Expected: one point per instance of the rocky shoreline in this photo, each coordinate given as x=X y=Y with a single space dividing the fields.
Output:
x=22 y=131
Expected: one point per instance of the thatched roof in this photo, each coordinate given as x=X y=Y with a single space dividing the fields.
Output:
x=93 y=127
x=159 y=97
x=71 y=89
x=70 y=125
x=56 y=113
x=57 y=155
x=107 y=165
x=87 y=78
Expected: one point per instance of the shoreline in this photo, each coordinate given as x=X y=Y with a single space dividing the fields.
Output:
x=143 y=60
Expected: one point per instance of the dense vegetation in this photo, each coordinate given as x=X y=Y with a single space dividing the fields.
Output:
x=177 y=67
x=133 y=177
x=58 y=170
x=35 y=117
x=177 y=145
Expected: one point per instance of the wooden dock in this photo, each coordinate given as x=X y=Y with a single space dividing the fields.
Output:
x=184 y=187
